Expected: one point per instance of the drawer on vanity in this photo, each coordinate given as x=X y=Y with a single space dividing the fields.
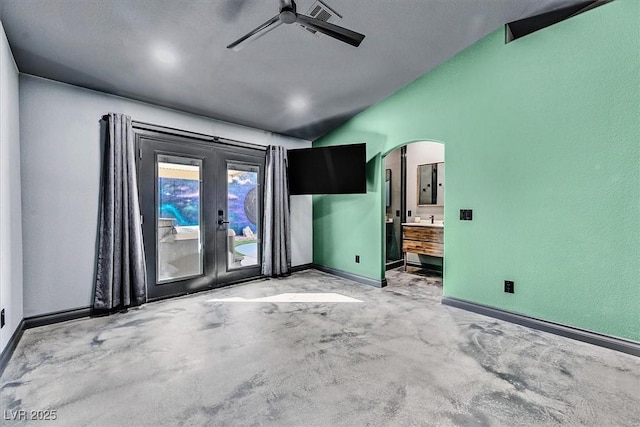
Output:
x=423 y=248
x=429 y=234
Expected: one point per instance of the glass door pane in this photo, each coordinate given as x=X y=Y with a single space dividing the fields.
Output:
x=243 y=206
x=179 y=216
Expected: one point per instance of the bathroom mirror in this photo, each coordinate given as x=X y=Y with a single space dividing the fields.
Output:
x=431 y=184
x=387 y=186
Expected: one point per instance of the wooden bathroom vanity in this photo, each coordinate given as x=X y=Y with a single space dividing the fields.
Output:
x=422 y=239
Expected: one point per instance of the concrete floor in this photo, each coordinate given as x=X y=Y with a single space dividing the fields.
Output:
x=397 y=357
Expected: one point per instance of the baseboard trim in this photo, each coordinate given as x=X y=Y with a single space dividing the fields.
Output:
x=301 y=267
x=355 y=277
x=6 y=354
x=606 y=341
x=56 y=317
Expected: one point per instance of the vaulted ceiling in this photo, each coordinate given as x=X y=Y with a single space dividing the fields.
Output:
x=173 y=52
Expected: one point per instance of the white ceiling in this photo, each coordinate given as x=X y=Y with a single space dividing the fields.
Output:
x=109 y=45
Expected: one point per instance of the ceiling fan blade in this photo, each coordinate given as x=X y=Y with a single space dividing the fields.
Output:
x=332 y=30
x=258 y=32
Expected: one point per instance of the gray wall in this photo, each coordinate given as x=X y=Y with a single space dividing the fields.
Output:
x=61 y=159
x=421 y=153
x=10 y=207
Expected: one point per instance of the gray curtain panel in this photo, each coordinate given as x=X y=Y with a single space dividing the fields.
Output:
x=121 y=275
x=276 y=243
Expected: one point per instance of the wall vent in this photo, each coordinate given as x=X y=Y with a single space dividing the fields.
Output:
x=321 y=11
x=516 y=29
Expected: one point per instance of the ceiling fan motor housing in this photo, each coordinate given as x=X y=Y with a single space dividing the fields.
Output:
x=288 y=13
x=287 y=17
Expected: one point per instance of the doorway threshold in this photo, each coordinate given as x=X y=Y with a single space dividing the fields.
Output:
x=393 y=264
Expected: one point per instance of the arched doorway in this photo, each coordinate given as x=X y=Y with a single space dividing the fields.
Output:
x=414 y=202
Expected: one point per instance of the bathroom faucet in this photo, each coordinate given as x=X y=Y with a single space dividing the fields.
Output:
x=431 y=217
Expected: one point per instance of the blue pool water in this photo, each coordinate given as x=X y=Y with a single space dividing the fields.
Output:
x=248 y=249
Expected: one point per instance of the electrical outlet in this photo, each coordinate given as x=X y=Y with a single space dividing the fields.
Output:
x=509 y=287
x=357 y=259
x=466 y=214
x=409 y=213
x=2 y=318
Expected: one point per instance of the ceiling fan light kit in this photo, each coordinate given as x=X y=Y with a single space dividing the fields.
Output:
x=288 y=15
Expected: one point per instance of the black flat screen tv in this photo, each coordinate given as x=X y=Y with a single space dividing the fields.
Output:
x=339 y=169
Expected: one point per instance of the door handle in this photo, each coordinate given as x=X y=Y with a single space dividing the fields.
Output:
x=221 y=217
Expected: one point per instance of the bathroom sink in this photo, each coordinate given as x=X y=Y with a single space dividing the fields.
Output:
x=426 y=223
x=435 y=224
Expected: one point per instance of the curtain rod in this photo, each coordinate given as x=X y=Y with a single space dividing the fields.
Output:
x=202 y=136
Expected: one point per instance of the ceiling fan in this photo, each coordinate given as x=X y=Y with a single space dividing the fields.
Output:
x=288 y=15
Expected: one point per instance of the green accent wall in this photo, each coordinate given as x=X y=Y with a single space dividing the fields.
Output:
x=542 y=141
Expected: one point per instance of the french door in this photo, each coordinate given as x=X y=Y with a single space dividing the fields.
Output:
x=201 y=206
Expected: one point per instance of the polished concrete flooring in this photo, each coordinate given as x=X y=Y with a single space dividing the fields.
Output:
x=315 y=350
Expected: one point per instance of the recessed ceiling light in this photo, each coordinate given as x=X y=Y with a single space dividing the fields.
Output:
x=165 y=55
x=298 y=103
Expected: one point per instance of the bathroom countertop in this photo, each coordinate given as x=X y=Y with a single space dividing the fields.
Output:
x=425 y=224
